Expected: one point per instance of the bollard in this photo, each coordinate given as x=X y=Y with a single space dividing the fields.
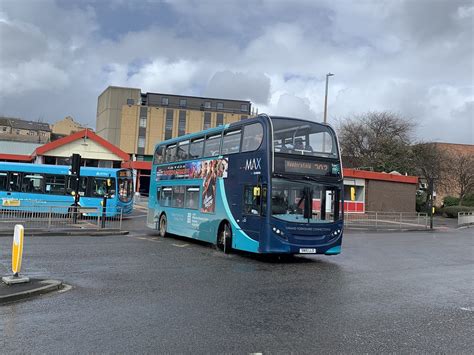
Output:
x=17 y=255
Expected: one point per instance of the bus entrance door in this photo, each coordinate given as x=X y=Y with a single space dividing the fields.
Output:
x=252 y=210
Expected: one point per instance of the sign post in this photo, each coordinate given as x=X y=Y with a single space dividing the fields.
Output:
x=75 y=171
x=17 y=255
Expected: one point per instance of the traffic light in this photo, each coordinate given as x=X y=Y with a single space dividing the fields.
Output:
x=75 y=165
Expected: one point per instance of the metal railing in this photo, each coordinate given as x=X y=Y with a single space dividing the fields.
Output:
x=60 y=217
x=387 y=220
x=465 y=218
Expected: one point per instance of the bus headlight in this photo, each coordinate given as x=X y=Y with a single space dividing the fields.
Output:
x=277 y=231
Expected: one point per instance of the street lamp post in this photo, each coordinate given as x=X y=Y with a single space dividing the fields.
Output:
x=326 y=108
x=326 y=97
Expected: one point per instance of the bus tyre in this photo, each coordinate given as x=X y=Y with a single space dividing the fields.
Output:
x=163 y=225
x=224 y=238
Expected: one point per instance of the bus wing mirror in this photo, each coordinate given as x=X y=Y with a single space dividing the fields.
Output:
x=256 y=191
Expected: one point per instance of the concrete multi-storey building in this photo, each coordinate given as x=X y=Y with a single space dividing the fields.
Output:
x=135 y=122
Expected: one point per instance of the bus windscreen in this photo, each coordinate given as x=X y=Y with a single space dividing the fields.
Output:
x=305 y=138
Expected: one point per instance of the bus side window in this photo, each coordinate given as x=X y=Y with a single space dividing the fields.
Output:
x=183 y=149
x=14 y=182
x=212 y=145
x=192 y=197
x=165 y=196
x=32 y=183
x=178 y=197
x=196 y=148
x=170 y=153
x=158 y=158
x=231 y=142
x=55 y=184
x=3 y=181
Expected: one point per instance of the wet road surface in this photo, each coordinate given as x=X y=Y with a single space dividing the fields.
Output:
x=404 y=292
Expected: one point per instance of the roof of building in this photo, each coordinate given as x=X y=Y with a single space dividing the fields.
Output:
x=80 y=135
x=13 y=147
x=371 y=175
x=23 y=124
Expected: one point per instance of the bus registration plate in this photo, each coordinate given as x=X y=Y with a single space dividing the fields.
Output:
x=307 y=251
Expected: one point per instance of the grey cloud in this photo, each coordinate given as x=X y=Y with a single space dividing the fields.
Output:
x=293 y=106
x=386 y=55
x=20 y=43
x=246 y=86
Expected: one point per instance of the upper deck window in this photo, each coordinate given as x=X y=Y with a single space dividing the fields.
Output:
x=159 y=155
x=170 y=153
x=183 y=148
x=303 y=138
x=253 y=136
x=196 y=148
x=231 y=142
x=213 y=143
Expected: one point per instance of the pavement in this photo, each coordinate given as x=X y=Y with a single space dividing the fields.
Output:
x=35 y=287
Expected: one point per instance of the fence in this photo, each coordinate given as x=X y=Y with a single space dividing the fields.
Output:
x=60 y=217
x=387 y=220
x=465 y=218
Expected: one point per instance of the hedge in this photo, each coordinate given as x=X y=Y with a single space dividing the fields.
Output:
x=452 y=211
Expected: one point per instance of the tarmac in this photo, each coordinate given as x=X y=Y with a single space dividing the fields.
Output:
x=35 y=287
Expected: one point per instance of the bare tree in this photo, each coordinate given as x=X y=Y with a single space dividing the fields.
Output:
x=460 y=170
x=379 y=140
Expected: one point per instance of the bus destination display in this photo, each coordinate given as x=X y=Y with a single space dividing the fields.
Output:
x=306 y=167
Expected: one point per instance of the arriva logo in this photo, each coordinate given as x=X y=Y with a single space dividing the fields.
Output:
x=253 y=164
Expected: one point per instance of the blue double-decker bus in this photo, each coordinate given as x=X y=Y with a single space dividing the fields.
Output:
x=36 y=187
x=262 y=185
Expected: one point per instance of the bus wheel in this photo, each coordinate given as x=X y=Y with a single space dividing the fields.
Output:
x=163 y=225
x=224 y=238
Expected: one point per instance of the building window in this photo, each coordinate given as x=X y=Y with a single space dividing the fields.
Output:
x=4 y=129
x=141 y=142
x=207 y=120
x=219 y=119
x=207 y=104
x=182 y=102
x=169 y=124
x=143 y=122
x=243 y=117
x=220 y=105
x=244 y=107
x=182 y=123
x=130 y=102
x=164 y=101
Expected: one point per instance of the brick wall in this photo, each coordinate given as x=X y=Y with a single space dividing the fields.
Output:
x=390 y=196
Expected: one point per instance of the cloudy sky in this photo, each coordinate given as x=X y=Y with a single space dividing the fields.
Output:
x=412 y=57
